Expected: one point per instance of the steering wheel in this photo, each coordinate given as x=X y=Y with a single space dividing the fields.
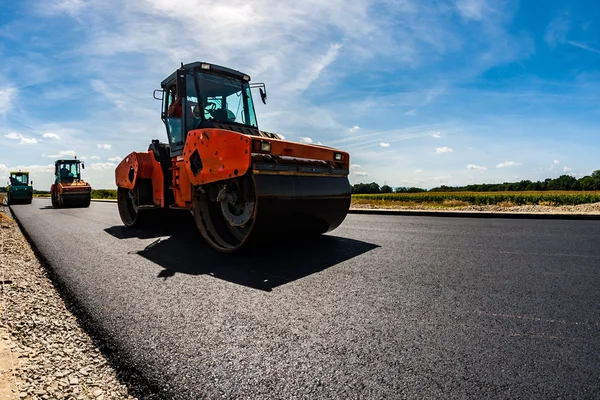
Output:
x=210 y=108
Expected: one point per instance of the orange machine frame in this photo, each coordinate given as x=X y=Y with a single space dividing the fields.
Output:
x=223 y=154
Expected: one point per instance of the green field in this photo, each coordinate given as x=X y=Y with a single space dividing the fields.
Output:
x=446 y=199
x=457 y=199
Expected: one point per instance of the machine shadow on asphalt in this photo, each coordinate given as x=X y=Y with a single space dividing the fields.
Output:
x=263 y=267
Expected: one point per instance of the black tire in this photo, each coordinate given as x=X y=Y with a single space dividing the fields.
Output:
x=130 y=215
x=215 y=228
x=54 y=202
x=8 y=199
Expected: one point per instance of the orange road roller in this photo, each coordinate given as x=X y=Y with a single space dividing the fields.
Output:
x=241 y=184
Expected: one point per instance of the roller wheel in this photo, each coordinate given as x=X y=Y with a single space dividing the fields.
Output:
x=128 y=201
x=86 y=202
x=226 y=221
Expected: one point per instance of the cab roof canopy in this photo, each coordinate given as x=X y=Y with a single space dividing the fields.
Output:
x=66 y=162
x=218 y=69
x=19 y=172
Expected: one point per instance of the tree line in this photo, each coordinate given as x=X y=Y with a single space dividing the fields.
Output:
x=563 y=182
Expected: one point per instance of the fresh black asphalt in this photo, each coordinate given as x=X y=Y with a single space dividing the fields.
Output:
x=384 y=307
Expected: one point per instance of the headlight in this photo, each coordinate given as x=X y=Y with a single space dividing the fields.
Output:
x=265 y=146
x=338 y=156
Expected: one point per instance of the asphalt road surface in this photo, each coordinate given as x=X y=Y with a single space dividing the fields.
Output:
x=383 y=307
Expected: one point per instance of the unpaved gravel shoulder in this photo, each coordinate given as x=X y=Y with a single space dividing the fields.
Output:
x=44 y=353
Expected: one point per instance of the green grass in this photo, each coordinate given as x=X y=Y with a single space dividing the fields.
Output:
x=455 y=199
x=104 y=194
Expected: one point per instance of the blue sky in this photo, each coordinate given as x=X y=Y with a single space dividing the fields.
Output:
x=421 y=93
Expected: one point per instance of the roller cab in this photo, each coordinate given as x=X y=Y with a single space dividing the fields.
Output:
x=69 y=189
x=240 y=183
x=19 y=189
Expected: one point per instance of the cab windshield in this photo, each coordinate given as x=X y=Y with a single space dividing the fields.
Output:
x=69 y=171
x=19 y=179
x=222 y=99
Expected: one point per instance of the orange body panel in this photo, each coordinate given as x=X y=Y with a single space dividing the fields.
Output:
x=300 y=150
x=182 y=187
x=144 y=166
x=224 y=155
x=74 y=186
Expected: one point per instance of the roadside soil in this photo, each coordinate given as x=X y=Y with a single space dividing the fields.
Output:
x=44 y=353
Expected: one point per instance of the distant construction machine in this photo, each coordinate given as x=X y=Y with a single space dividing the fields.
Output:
x=68 y=189
x=19 y=190
x=240 y=183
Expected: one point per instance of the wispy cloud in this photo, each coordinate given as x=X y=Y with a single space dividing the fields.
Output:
x=567 y=169
x=557 y=29
x=556 y=162
x=361 y=173
x=436 y=135
x=104 y=146
x=583 y=46
x=507 y=164
x=383 y=144
x=354 y=166
x=354 y=129
x=418 y=171
x=411 y=112
x=305 y=139
x=7 y=95
x=114 y=159
x=101 y=166
x=444 y=149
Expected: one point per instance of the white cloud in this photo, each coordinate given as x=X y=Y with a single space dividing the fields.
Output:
x=18 y=136
x=383 y=144
x=28 y=140
x=474 y=167
x=7 y=96
x=354 y=166
x=567 y=169
x=62 y=153
x=104 y=146
x=14 y=136
x=507 y=164
x=100 y=166
x=360 y=173
x=115 y=159
x=418 y=171
x=30 y=168
x=3 y=167
x=306 y=139
x=556 y=162
x=436 y=135
x=411 y=112
x=281 y=136
x=94 y=158
x=50 y=135
x=354 y=129
x=444 y=149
